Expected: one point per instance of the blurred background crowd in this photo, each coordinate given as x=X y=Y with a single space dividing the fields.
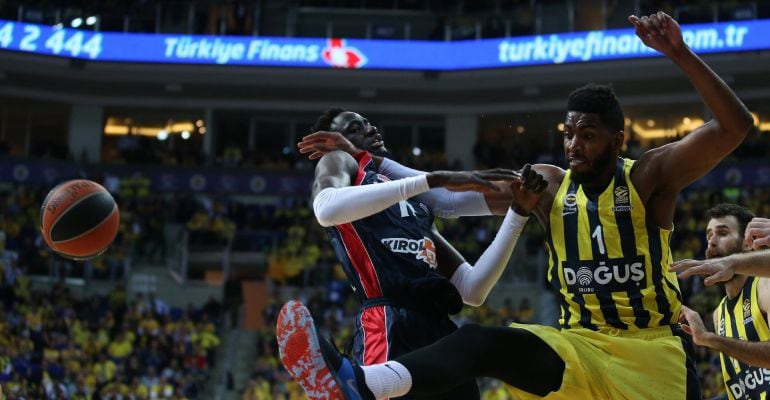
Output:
x=216 y=229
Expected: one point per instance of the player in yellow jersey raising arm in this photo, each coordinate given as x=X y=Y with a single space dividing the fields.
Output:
x=608 y=222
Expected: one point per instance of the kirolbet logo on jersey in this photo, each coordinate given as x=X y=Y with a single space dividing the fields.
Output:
x=423 y=249
x=750 y=383
x=612 y=275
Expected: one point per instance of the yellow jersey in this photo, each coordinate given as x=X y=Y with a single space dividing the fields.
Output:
x=740 y=318
x=608 y=260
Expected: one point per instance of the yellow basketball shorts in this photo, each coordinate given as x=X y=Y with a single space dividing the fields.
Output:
x=635 y=365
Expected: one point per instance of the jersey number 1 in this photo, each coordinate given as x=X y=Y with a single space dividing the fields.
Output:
x=599 y=238
x=406 y=209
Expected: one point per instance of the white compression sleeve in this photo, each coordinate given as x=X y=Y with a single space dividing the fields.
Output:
x=335 y=206
x=442 y=202
x=475 y=282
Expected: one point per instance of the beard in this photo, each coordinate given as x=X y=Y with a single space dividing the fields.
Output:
x=598 y=167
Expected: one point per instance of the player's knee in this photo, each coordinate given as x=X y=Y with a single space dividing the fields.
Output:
x=555 y=366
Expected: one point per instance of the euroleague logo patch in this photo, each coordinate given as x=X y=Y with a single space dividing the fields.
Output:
x=747 y=317
x=621 y=195
x=622 y=203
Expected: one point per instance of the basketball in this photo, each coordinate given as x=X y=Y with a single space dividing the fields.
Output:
x=79 y=219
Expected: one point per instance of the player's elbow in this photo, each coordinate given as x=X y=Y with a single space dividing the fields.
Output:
x=474 y=300
x=324 y=210
x=748 y=122
x=325 y=217
x=324 y=222
x=742 y=124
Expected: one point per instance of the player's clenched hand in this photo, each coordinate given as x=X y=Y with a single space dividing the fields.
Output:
x=322 y=142
x=715 y=270
x=464 y=181
x=528 y=190
x=695 y=326
x=758 y=233
x=659 y=31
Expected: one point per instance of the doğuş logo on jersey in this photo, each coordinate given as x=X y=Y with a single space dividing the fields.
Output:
x=749 y=383
x=338 y=55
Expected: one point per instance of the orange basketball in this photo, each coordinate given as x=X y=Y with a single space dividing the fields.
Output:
x=79 y=219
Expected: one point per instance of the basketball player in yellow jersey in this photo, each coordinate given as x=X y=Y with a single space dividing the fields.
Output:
x=743 y=334
x=608 y=222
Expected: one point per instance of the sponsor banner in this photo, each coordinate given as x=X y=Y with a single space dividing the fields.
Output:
x=162 y=179
x=558 y=48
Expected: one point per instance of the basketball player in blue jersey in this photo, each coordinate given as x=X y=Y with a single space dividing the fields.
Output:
x=741 y=317
x=406 y=276
x=608 y=221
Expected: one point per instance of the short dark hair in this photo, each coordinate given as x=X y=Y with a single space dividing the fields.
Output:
x=324 y=121
x=601 y=100
x=742 y=214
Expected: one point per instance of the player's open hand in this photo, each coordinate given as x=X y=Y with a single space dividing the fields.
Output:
x=464 y=181
x=758 y=233
x=715 y=270
x=659 y=31
x=693 y=324
x=528 y=190
x=319 y=143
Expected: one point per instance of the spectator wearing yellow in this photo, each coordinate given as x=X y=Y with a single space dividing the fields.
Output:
x=257 y=389
x=206 y=339
x=138 y=390
x=149 y=325
x=121 y=347
x=162 y=389
x=104 y=369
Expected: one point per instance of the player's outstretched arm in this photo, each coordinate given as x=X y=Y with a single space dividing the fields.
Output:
x=474 y=282
x=722 y=269
x=442 y=203
x=336 y=202
x=678 y=164
x=752 y=353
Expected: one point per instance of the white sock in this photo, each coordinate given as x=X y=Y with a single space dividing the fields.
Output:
x=390 y=379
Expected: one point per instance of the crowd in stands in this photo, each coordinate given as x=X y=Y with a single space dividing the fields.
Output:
x=55 y=344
